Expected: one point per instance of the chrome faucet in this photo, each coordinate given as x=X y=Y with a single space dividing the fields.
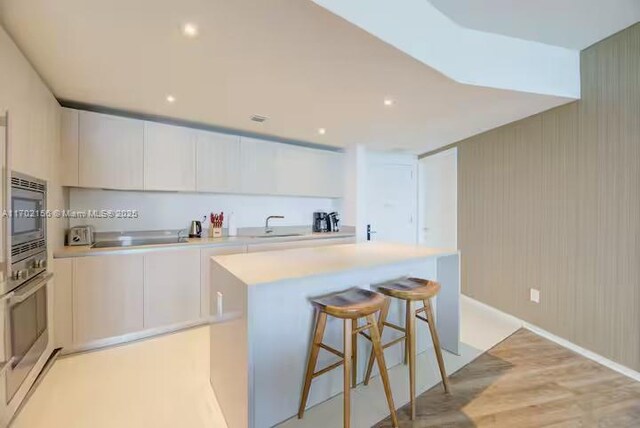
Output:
x=267 y=229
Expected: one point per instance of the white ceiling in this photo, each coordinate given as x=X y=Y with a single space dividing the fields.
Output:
x=574 y=24
x=290 y=60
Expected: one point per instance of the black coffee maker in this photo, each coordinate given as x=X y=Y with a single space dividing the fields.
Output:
x=323 y=222
x=320 y=221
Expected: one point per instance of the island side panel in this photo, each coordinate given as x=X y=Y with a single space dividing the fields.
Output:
x=448 y=308
x=229 y=347
x=281 y=322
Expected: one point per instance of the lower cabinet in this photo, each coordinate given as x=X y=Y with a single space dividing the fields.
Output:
x=100 y=299
x=171 y=287
x=107 y=296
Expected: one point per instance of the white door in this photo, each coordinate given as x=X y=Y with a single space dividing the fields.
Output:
x=392 y=199
x=438 y=192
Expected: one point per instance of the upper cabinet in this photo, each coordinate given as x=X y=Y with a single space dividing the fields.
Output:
x=218 y=163
x=169 y=157
x=302 y=171
x=110 y=151
x=113 y=152
x=69 y=146
x=258 y=166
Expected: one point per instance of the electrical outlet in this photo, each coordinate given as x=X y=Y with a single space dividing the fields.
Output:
x=534 y=295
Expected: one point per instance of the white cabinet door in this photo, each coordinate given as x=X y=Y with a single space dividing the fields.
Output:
x=277 y=246
x=107 y=296
x=171 y=287
x=304 y=171
x=205 y=273
x=169 y=157
x=218 y=164
x=295 y=171
x=63 y=303
x=110 y=151
x=258 y=166
x=69 y=147
x=329 y=181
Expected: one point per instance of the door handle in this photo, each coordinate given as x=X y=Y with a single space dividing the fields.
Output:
x=370 y=232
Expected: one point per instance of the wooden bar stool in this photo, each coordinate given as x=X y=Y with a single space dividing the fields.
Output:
x=349 y=306
x=411 y=290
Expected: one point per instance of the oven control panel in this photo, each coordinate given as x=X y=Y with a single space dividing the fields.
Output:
x=28 y=268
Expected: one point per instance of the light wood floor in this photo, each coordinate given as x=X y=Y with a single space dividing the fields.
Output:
x=528 y=381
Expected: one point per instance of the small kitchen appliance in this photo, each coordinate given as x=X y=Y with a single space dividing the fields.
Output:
x=80 y=235
x=319 y=221
x=333 y=222
x=27 y=230
x=195 y=230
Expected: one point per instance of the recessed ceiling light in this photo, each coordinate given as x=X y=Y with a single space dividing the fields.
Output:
x=388 y=102
x=190 y=29
x=322 y=131
x=171 y=99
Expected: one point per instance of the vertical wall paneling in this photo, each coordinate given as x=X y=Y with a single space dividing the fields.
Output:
x=553 y=202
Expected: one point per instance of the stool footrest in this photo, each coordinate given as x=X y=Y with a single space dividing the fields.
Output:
x=366 y=336
x=422 y=318
x=361 y=329
x=420 y=310
x=393 y=342
x=394 y=326
x=332 y=350
x=327 y=369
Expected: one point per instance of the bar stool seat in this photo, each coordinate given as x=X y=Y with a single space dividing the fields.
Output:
x=354 y=303
x=349 y=306
x=411 y=290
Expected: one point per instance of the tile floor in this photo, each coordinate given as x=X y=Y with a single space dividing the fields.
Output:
x=164 y=382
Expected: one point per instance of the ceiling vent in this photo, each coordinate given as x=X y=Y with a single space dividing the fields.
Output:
x=259 y=118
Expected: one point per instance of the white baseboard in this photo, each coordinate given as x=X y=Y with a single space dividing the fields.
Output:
x=626 y=371
x=488 y=308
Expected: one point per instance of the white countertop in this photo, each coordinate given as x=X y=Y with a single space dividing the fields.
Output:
x=86 y=250
x=267 y=267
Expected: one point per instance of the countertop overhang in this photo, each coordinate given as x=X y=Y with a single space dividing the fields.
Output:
x=273 y=266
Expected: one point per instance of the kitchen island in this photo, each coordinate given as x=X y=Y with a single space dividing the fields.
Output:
x=258 y=359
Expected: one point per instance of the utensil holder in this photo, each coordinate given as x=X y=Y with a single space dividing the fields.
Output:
x=215 y=232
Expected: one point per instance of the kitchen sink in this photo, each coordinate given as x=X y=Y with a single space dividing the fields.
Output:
x=140 y=241
x=277 y=235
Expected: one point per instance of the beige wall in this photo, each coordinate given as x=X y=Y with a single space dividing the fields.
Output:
x=553 y=202
x=34 y=127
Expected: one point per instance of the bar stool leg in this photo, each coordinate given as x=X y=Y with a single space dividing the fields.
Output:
x=377 y=349
x=348 y=329
x=411 y=340
x=354 y=352
x=381 y=320
x=321 y=323
x=407 y=320
x=436 y=343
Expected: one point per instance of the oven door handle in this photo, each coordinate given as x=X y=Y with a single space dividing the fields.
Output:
x=30 y=289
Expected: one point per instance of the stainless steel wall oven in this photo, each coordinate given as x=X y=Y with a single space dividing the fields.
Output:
x=25 y=291
x=28 y=229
